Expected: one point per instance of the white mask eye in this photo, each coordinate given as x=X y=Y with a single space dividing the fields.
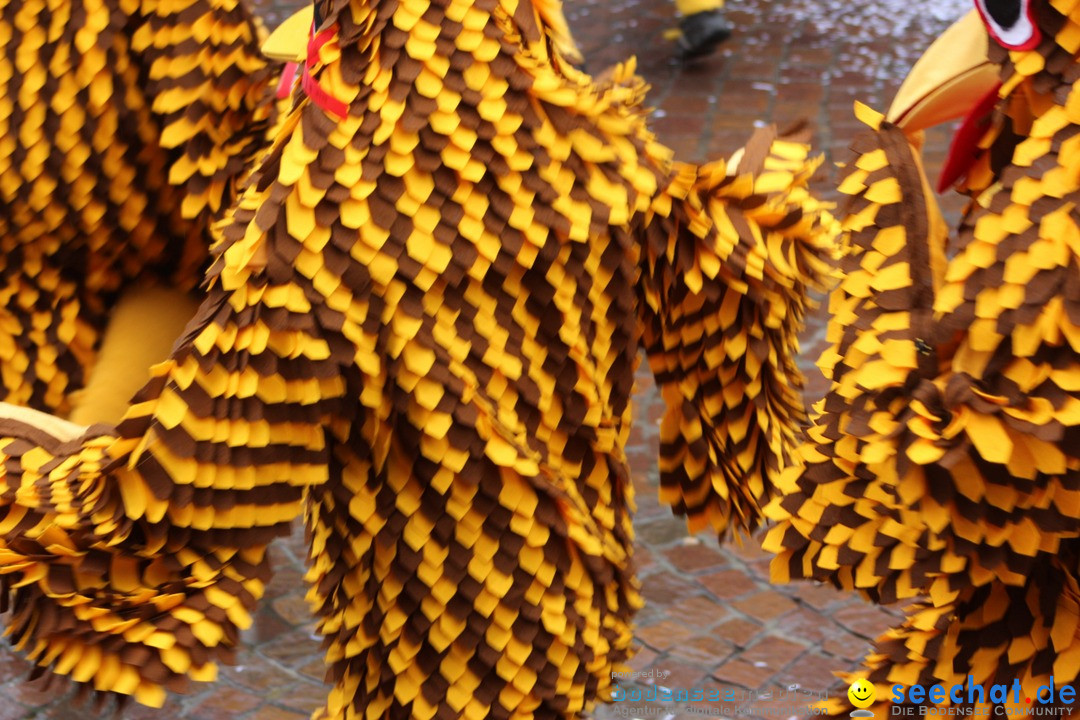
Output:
x=1010 y=22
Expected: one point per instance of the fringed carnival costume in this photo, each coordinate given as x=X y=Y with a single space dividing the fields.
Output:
x=944 y=463
x=420 y=333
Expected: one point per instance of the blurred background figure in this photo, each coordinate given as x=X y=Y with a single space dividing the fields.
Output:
x=702 y=27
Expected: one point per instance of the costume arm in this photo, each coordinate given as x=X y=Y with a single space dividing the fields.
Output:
x=944 y=455
x=212 y=92
x=729 y=260
x=133 y=555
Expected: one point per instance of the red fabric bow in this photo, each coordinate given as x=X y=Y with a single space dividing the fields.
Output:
x=311 y=87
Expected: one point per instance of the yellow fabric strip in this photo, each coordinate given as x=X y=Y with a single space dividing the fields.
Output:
x=692 y=7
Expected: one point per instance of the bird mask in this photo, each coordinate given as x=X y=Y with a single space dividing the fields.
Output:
x=1001 y=67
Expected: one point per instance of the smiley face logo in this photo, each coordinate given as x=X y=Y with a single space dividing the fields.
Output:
x=861 y=693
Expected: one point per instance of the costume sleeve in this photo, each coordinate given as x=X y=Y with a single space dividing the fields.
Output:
x=729 y=261
x=211 y=92
x=946 y=452
x=133 y=555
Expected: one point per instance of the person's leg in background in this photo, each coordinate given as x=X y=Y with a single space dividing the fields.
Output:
x=702 y=27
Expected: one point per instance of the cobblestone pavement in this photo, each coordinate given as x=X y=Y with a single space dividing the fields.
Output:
x=712 y=619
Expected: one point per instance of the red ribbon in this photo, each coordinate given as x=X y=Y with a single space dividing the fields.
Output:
x=288 y=80
x=311 y=87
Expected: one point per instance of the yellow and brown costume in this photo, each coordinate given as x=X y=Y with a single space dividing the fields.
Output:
x=944 y=463
x=125 y=127
x=420 y=332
